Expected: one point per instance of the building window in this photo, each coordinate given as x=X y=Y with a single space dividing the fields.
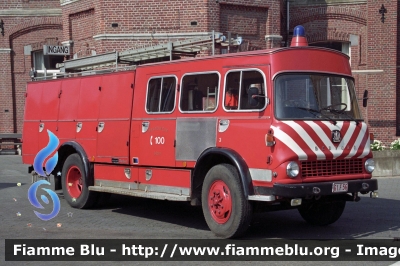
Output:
x=42 y=62
x=38 y=60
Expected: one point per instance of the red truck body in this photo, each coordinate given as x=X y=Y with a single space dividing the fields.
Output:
x=227 y=131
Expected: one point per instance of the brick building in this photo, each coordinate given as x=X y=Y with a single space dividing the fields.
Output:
x=367 y=30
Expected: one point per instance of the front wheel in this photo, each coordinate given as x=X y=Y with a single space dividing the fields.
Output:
x=225 y=207
x=75 y=183
x=322 y=212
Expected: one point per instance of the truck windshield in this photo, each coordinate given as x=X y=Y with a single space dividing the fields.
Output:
x=315 y=97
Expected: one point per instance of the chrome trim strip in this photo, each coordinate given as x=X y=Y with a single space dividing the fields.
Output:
x=261 y=174
x=140 y=193
x=164 y=189
x=261 y=197
x=142 y=187
x=116 y=184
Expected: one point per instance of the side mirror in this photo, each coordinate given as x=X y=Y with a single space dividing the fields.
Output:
x=365 y=98
x=253 y=99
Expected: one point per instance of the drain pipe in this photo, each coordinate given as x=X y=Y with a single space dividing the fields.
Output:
x=287 y=23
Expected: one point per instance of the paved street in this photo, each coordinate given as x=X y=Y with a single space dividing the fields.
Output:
x=134 y=218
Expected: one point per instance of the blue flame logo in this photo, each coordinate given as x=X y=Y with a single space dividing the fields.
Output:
x=50 y=165
x=44 y=153
x=34 y=201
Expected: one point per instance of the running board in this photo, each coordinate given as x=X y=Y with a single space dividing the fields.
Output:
x=140 y=193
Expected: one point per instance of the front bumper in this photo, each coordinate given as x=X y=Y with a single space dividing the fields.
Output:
x=304 y=190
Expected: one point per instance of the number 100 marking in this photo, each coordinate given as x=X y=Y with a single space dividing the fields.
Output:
x=159 y=140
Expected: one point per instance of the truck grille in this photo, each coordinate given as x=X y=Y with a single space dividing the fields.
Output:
x=331 y=168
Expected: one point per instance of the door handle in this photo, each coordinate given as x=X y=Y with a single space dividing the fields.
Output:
x=78 y=126
x=100 y=127
x=223 y=125
x=145 y=126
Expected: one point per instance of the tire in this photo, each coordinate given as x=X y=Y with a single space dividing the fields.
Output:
x=322 y=212
x=75 y=183
x=225 y=208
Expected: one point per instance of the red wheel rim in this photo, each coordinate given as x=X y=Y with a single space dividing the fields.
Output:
x=74 y=182
x=220 y=202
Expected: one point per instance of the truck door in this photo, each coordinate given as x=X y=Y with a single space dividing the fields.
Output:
x=155 y=133
x=248 y=120
x=114 y=118
x=49 y=106
x=87 y=114
x=68 y=109
x=41 y=113
x=31 y=121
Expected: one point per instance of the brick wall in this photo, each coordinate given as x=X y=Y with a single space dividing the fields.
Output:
x=6 y=107
x=22 y=64
x=381 y=54
x=89 y=24
x=22 y=28
x=375 y=49
x=80 y=22
x=144 y=23
x=246 y=21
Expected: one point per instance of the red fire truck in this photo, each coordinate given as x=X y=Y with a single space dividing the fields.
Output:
x=235 y=133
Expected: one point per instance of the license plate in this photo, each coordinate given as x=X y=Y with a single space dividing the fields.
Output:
x=340 y=187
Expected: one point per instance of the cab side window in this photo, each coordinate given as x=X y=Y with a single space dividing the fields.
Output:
x=199 y=92
x=244 y=90
x=161 y=95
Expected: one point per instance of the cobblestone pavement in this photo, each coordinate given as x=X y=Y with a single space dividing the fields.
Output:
x=134 y=218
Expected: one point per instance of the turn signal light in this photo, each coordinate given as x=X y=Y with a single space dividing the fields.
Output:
x=269 y=140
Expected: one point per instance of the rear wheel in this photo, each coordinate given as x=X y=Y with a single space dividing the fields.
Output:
x=75 y=183
x=225 y=208
x=322 y=212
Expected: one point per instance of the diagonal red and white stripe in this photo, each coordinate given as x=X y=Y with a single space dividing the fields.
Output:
x=311 y=140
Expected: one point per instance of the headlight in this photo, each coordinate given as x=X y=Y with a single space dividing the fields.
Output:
x=369 y=165
x=292 y=169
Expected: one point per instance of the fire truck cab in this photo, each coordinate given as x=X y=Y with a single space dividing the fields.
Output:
x=235 y=133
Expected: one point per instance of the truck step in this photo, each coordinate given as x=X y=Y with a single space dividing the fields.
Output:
x=140 y=193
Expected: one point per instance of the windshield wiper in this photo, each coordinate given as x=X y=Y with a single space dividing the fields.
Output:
x=315 y=112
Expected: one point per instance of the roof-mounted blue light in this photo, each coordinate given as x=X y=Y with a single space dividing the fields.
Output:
x=299 y=37
x=299 y=31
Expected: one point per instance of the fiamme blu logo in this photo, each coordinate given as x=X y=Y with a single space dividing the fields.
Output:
x=49 y=167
